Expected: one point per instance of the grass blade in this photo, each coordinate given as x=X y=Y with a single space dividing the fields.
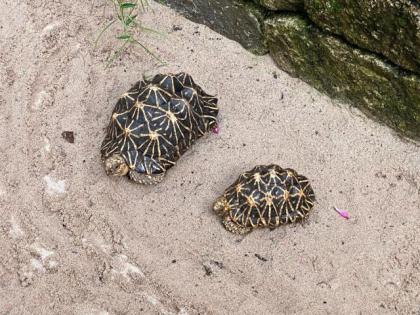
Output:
x=127 y=12
x=147 y=50
x=102 y=32
x=124 y=36
x=150 y=30
x=130 y=19
x=116 y=54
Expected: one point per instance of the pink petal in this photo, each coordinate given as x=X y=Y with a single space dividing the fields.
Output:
x=216 y=130
x=344 y=213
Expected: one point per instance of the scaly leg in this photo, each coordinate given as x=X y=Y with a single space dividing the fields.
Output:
x=146 y=179
x=147 y=170
x=235 y=227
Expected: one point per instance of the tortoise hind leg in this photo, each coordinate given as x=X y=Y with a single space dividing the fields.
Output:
x=234 y=227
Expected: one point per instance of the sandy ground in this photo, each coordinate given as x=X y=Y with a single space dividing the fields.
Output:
x=74 y=241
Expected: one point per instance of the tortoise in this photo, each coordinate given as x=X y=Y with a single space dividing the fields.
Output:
x=153 y=124
x=266 y=196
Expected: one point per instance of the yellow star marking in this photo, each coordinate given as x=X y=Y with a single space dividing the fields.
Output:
x=139 y=105
x=127 y=132
x=153 y=135
x=269 y=199
x=170 y=119
x=286 y=195
x=126 y=95
x=171 y=116
x=251 y=201
x=238 y=188
x=139 y=108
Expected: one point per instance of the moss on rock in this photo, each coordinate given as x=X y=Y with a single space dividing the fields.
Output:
x=282 y=5
x=345 y=72
x=388 y=27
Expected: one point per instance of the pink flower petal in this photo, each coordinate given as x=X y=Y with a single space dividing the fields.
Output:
x=216 y=130
x=344 y=213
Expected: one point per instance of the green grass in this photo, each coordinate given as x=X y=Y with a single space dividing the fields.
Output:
x=126 y=16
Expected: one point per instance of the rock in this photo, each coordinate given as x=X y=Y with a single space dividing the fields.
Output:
x=284 y=5
x=235 y=19
x=345 y=72
x=388 y=27
x=364 y=52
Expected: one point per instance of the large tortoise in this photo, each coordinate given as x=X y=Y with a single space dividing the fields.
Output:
x=153 y=124
x=265 y=196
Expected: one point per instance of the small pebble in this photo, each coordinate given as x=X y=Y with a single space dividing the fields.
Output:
x=68 y=136
x=208 y=270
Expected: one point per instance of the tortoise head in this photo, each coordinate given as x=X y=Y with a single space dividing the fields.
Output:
x=221 y=206
x=115 y=165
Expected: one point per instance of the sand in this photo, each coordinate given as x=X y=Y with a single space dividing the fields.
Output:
x=74 y=241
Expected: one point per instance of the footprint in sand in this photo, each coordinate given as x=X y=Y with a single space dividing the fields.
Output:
x=15 y=231
x=42 y=261
x=41 y=100
x=51 y=36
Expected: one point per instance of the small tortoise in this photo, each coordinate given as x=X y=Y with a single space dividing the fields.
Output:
x=153 y=124
x=266 y=196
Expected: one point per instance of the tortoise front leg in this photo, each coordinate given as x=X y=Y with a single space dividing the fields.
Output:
x=146 y=179
x=234 y=227
x=147 y=171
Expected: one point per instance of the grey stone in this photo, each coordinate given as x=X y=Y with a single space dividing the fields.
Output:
x=235 y=19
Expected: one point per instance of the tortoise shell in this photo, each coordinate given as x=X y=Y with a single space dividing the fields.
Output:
x=154 y=123
x=266 y=196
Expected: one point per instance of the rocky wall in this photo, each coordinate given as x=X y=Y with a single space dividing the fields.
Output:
x=364 y=52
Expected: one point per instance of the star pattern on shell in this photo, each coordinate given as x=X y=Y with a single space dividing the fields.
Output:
x=266 y=196
x=156 y=121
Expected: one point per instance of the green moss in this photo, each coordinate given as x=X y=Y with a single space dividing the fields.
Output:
x=389 y=28
x=336 y=6
x=281 y=5
x=402 y=22
x=345 y=72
